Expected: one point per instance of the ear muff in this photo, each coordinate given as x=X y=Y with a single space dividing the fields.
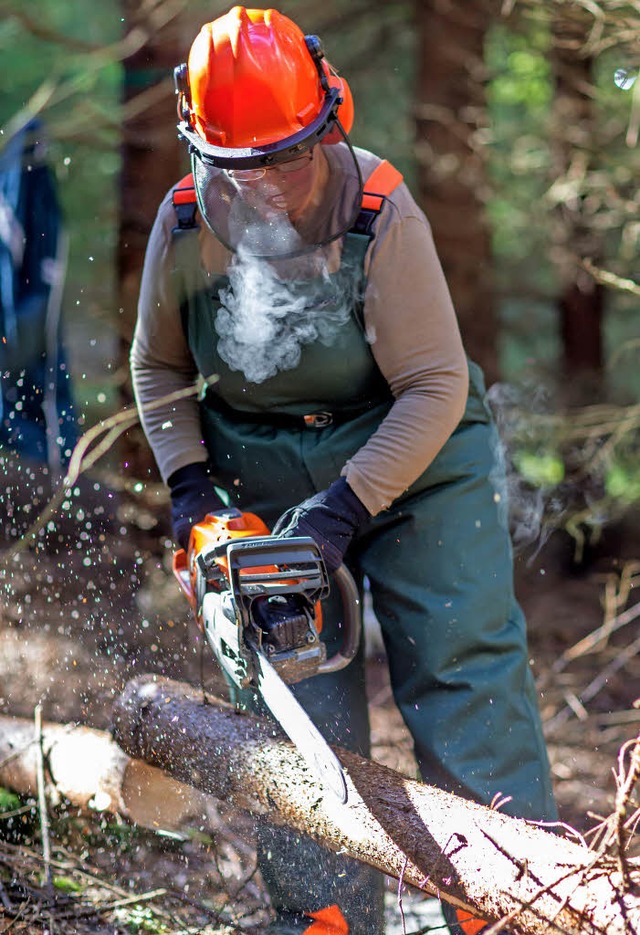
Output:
x=345 y=111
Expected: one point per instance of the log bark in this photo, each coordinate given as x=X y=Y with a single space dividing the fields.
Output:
x=474 y=857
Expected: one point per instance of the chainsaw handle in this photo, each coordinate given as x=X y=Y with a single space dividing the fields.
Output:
x=352 y=623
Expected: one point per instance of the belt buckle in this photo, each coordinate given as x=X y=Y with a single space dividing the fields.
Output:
x=318 y=420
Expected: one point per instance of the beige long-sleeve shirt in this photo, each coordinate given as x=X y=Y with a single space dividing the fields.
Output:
x=409 y=321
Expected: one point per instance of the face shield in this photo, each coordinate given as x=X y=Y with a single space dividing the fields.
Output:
x=282 y=210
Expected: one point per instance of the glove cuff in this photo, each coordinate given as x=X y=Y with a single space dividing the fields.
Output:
x=195 y=474
x=341 y=497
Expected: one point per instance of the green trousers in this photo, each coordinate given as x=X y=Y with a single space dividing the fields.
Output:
x=439 y=567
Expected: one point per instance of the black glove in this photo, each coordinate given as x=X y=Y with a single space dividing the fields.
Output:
x=192 y=497
x=331 y=518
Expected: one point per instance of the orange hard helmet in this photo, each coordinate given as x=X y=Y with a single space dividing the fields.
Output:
x=257 y=91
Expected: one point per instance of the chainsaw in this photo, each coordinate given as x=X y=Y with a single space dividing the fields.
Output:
x=257 y=600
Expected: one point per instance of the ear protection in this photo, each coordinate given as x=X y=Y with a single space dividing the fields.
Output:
x=329 y=78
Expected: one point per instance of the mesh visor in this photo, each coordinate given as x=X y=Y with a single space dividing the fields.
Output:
x=283 y=211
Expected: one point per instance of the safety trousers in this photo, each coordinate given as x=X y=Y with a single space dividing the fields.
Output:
x=439 y=568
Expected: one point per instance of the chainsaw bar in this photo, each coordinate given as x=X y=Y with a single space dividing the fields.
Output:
x=299 y=727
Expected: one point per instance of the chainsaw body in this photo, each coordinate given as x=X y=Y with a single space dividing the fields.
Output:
x=251 y=592
x=257 y=599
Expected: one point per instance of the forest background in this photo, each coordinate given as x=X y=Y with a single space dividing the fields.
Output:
x=516 y=126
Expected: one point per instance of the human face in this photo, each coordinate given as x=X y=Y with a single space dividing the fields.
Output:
x=288 y=187
x=283 y=210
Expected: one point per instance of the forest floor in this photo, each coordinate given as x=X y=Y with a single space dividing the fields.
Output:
x=93 y=602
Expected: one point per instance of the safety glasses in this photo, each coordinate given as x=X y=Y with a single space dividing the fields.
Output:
x=283 y=168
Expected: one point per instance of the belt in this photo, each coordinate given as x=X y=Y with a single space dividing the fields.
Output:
x=311 y=420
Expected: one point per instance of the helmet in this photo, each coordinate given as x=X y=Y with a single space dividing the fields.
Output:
x=254 y=99
x=257 y=91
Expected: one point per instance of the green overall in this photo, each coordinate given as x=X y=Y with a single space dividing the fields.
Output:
x=439 y=568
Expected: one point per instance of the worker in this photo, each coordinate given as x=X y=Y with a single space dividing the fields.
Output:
x=295 y=276
x=37 y=416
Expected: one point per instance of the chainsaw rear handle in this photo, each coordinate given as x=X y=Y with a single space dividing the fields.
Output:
x=350 y=603
x=352 y=624
x=300 y=554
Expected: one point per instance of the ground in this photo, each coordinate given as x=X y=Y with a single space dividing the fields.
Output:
x=91 y=601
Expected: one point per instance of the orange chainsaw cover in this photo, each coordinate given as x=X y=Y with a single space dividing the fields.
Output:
x=469 y=924
x=329 y=921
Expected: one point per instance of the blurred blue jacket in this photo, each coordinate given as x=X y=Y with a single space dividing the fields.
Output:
x=37 y=418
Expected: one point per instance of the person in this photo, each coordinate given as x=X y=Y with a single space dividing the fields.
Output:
x=295 y=276
x=37 y=414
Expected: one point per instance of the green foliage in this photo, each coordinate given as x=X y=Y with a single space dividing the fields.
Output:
x=623 y=482
x=532 y=207
x=140 y=919
x=9 y=801
x=519 y=94
x=540 y=469
x=67 y=885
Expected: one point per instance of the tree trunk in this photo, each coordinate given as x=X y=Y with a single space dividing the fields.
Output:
x=472 y=856
x=152 y=161
x=581 y=302
x=451 y=111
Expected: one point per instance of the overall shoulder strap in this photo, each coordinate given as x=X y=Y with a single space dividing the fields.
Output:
x=185 y=272
x=185 y=204
x=384 y=179
x=376 y=189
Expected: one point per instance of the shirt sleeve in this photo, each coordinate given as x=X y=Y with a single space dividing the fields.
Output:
x=415 y=339
x=161 y=363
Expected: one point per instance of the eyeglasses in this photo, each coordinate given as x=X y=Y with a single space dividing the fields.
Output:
x=283 y=168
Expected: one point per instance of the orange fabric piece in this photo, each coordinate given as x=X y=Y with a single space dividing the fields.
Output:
x=184 y=192
x=329 y=921
x=469 y=924
x=380 y=183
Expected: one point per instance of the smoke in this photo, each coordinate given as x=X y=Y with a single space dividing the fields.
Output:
x=532 y=512
x=274 y=307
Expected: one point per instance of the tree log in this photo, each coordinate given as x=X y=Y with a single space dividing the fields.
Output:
x=496 y=866
x=87 y=768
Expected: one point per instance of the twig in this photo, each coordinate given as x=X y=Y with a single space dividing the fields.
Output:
x=598 y=636
x=400 y=886
x=597 y=684
x=42 y=798
x=114 y=904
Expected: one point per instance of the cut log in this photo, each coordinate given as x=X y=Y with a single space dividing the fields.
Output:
x=87 y=768
x=474 y=857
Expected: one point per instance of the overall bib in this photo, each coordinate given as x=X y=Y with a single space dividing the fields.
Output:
x=439 y=568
